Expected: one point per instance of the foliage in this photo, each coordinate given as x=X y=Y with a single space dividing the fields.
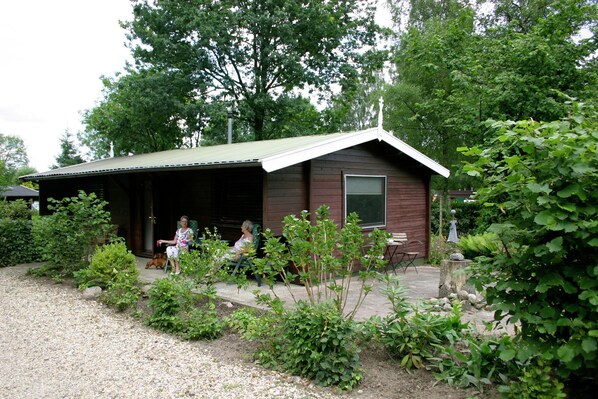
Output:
x=16 y=242
x=543 y=178
x=474 y=361
x=167 y=298
x=13 y=160
x=535 y=381
x=174 y=309
x=440 y=249
x=201 y=54
x=67 y=237
x=458 y=68
x=205 y=263
x=262 y=328
x=141 y=112
x=15 y=210
x=123 y=292
x=203 y=324
x=68 y=152
x=317 y=342
x=415 y=335
x=107 y=264
x=472 y=246
x=325 y=258
x=13 y=153
x=16 y=238
x=420 y=338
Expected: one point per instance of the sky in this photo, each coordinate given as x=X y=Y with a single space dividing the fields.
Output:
x=52 y=55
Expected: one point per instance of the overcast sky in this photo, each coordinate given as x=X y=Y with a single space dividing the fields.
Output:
x=53 y=53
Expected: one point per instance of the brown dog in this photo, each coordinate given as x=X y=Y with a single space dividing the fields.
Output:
x=158 y=261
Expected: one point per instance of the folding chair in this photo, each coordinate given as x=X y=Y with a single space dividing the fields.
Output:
x=405 y=252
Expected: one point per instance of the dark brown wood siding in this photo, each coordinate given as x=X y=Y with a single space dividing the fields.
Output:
x=407 y=187
x=285 y=193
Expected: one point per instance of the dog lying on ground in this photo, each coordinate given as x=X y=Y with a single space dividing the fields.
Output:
x=158 y=261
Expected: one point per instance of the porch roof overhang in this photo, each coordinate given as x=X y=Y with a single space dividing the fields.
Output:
x=271 y=155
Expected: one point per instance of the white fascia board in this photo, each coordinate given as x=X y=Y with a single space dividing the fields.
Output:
x=293 y=157
x=415 y=154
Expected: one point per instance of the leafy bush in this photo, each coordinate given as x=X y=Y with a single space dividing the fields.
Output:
x=175 y=310
x=15 y=210
x=534 y=381
x=123 y=292
x=16 y=237
x=317 y=342
x=324 y=257
x=486 y=244
x=544 y=179
x=440 y=249
x=412 y=334
x=167 y=298
x=474 y=361
x=67 y=236
x=206 y=264
x=16 y=243
x=202 y=324
x=107 y=264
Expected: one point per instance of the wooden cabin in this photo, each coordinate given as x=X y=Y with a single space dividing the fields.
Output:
x=372 y=172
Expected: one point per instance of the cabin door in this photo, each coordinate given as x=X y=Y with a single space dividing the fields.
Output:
x=148 y=218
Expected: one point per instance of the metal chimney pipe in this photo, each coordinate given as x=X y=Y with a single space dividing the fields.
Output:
x=230 y=125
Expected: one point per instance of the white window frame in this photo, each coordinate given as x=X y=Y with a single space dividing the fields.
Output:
x=362 y=224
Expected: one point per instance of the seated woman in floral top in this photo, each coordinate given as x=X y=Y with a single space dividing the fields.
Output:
x=245 y=242
x=181 y=241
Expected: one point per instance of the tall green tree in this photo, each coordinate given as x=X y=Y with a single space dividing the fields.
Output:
x=12 y=152
x=433 y=103
x=68 y=152
x=13 y=158
x=417 y=13
x=455 y=72
x=144 y=110
x=252 y=52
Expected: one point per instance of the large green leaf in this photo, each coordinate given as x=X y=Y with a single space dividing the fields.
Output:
x=573 y=189
x=555 y=245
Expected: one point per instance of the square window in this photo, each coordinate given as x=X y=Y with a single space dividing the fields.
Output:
x=366 y=196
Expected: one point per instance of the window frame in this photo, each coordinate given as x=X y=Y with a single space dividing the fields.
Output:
x=365 y=225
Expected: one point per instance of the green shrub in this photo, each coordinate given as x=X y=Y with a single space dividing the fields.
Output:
x=325 y=257
x=123 y=292
x=486 y=244
x=15 y=210
x=110 y=262
x=202 y=324
x=316 y=342
x=415 y=340
x=206 y=264
x=440 y=249
x=544 y=178
x=16 y=243
x=67 y=237
x=534 y=381
x=177 y=309
x=474 y=361
x=167 y=298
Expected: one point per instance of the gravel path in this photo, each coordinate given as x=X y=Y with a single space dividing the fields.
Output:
x=55 y=344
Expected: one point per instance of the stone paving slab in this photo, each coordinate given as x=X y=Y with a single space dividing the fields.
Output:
x=421 y=284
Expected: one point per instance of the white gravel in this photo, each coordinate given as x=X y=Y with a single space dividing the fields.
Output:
x=55 y=344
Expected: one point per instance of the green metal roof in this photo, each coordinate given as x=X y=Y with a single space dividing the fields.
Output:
x=270 y=154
